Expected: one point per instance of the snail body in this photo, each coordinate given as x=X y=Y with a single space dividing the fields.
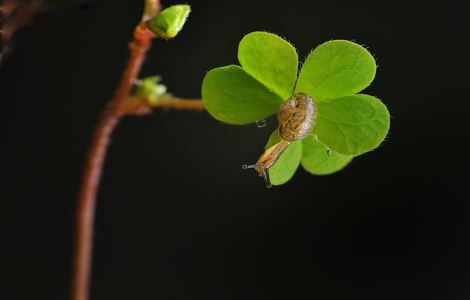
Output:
x=296 y=119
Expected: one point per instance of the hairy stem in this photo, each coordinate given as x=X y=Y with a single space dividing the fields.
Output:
x=97 y=152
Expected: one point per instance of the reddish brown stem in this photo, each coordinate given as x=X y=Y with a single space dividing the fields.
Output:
x=97 y=152
x=178 y=103
x=86 y=206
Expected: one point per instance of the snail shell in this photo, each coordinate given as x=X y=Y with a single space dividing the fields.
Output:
x=297 y=117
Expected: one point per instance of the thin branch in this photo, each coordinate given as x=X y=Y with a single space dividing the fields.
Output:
x=178 y=103
x=97 y=152
x=143 y=107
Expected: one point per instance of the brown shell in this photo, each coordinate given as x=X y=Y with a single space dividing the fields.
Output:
x=297 y=117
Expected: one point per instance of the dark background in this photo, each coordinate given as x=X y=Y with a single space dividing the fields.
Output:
x=178 y=218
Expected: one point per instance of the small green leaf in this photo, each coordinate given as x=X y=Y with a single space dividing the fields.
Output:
x=232 y=96
x=285 y=167
x=168 y=23
x=317 y=160
x=150 y=89
x=352 y=125
x=336 y=69
x=271 y=60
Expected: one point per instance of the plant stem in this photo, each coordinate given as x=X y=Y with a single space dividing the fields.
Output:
x=87 y=203
x=97 y=152
x=143 y=106
x=178 y=103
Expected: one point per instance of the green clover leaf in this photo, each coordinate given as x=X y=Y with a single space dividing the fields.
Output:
x=283 y=170
x=257 y=52
x=347 y=124
x=353 y=124
x=336 y=69
x=319 y=160
x=229 y=93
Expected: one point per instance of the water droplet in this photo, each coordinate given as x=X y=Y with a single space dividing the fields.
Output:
x=328 y=151
x=261 y=123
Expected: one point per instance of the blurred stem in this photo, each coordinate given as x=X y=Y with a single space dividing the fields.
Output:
x=142 y=107
x=178 y=103
x=97 y=151
x=96 y=155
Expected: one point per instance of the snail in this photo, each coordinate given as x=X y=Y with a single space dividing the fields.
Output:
x=296 y=119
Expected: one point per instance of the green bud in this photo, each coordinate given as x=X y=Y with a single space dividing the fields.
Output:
x=169 y=21
x=151 y=90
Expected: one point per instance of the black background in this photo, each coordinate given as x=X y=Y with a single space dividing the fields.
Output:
x=178 y=218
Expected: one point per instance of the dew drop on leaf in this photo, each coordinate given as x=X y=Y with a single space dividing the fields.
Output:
x=261 y=123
